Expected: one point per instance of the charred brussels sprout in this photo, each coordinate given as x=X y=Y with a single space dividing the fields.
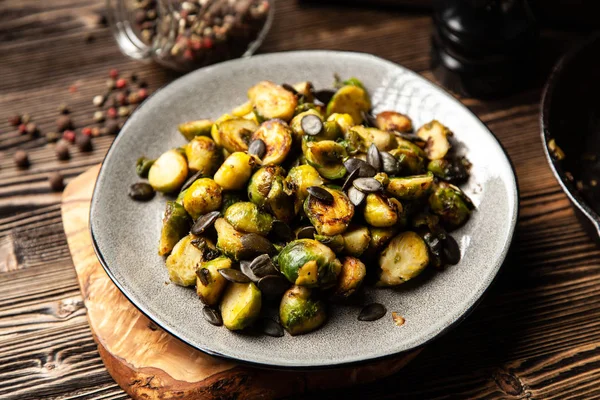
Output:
x=299 y=179
x=214 y=131
x=210 y=284
x=382 y=211
x=356 y=240
x=300 y=312
x=362 y=138
x=335 y=243
x=305 y=89
x=203 y=155
x=235 y=133
x=168 y=172
x=455 y=170
x=436 y=136
x=184 y=260
x=240 y=305
x=327 y=157
x=379 y=238
x=352 y=100
x=410 y=187
x=393 y=121
x=306 y=262
x=202 y=197
x=267 y=189
x=451 y=204
x=329 y=219
x=405 y=257
x=343 y=121
x=272 y=101
x=176 y=224
x=229 y=241
x=246 y=217
x=351 y=277
x=277 y=136
x=234 y=173
x=296 y=123
x=230 y=198
x=243 y=109
x=201 y=127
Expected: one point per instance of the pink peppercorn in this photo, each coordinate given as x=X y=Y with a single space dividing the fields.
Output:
x=114 y=73
x=87 y=131
x=69 y=136
x=121 y=83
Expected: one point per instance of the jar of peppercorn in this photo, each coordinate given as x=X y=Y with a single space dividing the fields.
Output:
x=188 y=34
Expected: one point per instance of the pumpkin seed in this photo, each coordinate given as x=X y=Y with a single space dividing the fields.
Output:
x=191 y=180
x=321 y=194
x=289 y=88
x=233 y=275
x=246 y=270
x=307 y=232
x=205 y=221
x=324 y=96
x=204 y=275
x=367 y=185
x=273 y=285
x=365 y=169
x=351 y=176
x=369 y=119
x=373 y=157
x=451 y=251
x=311 y=124
x=356 y=196
x=389 y=164
x=269 y=327
x=372 y=312
x=281 y=231
x=258 y=148
x=212 y=316
x=254 y=244
x=262 y=266
x=141 y=191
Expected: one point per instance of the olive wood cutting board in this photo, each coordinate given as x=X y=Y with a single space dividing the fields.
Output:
x=151 y=364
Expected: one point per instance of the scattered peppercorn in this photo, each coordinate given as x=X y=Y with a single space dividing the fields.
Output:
x=87 y=131
x=142 y=94
x=110 y=84
x=143 y=84
x=113 y=73
x=69 y=136
x=22 y=129
x=25 y=119
x=84 y=143
x=21 y=159
x=72 y=88
x=112 y=113
x=15 y=120
x=89 y=37
x=124 y=111
x=52 y=137
x=63 y=109
x=121 y=83
x=133 y=77
x=133 y=98
x=112 y=127
x=62 y=150
x=121 y=99
x=99 y=116
x=31 y=128
x=95 y=131
x=63 y=123
x=99 y=100
x=56 y=182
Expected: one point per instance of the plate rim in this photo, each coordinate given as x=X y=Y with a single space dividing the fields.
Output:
x=323 y=366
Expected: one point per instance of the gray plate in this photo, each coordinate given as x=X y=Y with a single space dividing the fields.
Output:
x=126 y=232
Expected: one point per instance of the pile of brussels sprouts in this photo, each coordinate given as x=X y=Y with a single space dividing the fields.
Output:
x=297 y=197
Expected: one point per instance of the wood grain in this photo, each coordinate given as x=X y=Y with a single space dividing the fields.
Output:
x=534 y=336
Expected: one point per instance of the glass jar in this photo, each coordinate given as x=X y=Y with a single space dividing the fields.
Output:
x=188 y=34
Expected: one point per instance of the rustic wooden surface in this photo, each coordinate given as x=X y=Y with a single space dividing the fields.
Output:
x=535 y=335
x=150 y=364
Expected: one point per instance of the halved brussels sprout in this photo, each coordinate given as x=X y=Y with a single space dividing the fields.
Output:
x=203 y=155
x=351 y=277
x=176 y=224
x=214 y=131
x=280 y=201
x=436 y=136
x=343 y=121
x=353 y=82
x=405 y=257
x=277 y=136
x=352 y=100
x=235 y=171
x=379 y=238
x=451 y=204
x=246 y=217
x=393 y=121
x=382 y=211
x=235 y=133
x=335 y=243
x=240 y=305
x=191 y=129
x=306 y=89
x=168 y=172
x=455 y=170
x=202 y=197
x=300 y=312
x=298 y=180
x=306 y=262
x=327 y=157
x=184 y=260
x=229 y=241
x=230 y=198
x=267 y=189
x=408 y=160
x=180 y=196
x=296 y=123
x=356 y=240
x=329 y=219
x=243 y=109
x=410 y=187
x=408 y=145
x=272 y=101
x=383 y=140
x=211 y=292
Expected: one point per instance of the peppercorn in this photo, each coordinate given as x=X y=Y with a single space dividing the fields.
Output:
x=124 y=111
x=52 y=137
x=22 y=129
x=113 y=73
x=142 y=94
x=84 y=143
x=121 y=83
x=133 y=98
x=25 y=119
x=110 y=84
x=31 y=128
x=99 y=116
x=112 y=127
x=99 y=100
x=112 y=113
x=62 y=150
x=63 y=109
x=95 y=131
x=87 y=131
x=15 y=120
x=133 y=77
x=122 y=99
x=69 y=136
x=56 y=182
x=63 y=123
x=21 y=159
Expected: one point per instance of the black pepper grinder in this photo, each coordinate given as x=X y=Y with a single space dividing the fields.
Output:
x=484 y=48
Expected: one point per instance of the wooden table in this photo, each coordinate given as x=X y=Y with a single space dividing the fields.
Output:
x=535 y=335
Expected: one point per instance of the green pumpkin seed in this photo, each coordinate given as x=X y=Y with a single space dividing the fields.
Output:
x=233 y=275
x=262 y=266
x=258 y=148
x=308 y=232
x=281 y=232
x=311 y=124
x=212 y=316
x=389 y=164
x=373 y=157
x=372 y=312
x=269 y=327
x=246 y=270
x=254 y=244
x=321 y=194
x=204 y=222
x=289 y=88
x=351 y=176
x=355 y=196
x=273 y=285
x=451 y=250
x=190 y=180
x=204 y=275
x=367 y=185
x=141 y=191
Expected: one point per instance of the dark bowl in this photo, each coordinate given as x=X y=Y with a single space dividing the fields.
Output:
x=571 y=116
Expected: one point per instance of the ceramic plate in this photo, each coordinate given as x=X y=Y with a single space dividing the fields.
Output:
x=126 y=232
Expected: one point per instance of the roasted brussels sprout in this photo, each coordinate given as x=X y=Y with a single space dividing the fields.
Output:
x=352 y=100
x=298 y=180
x=214 y=131
x=203 y=196
x=356 y=240
x=351 y=277
x=210 y=284
x=272 y=101
x=410 y=187
x=379 y=238
x=230 y=198
x=382 y=211
x=405 y=257
x=305 y=89
x=176 y=224
x=393 y=121
x=454 y=170
x=296 y=123
x=240 y=305
x=267 y=189
x=300 y=312
x=191 y=129
x=329 y=219
x=246 y=217
x=243 y=109
x=168 y=172
x=361 y=138
x=451 y=204
x=235 y=133
x=234 y=173
x=327 y=157
x=436 y=136
x=184 y=260
x=335 y=243
x=180 y=196
x=229 y=241
x=306 y=262
x=277 y=136
x=343 y=121
x=203 y=155
x=409 y=161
